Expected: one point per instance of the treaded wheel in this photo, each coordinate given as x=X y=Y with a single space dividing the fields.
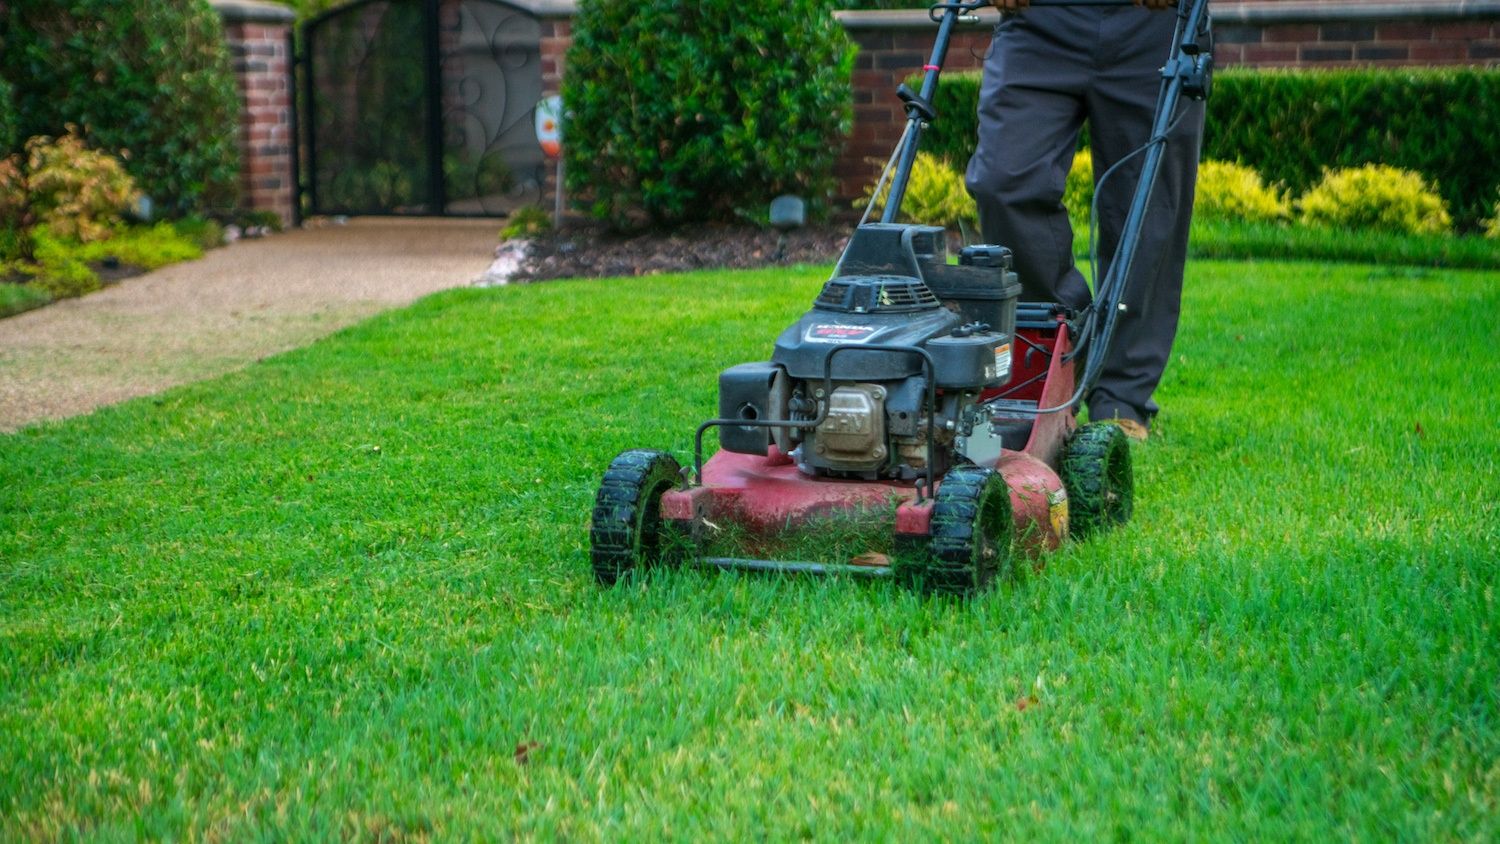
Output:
x=625 y=532
x=971 y=532
x=1097 y=474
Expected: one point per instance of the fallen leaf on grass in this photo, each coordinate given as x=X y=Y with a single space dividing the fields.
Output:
x=871 y=558
x=1025 y=702
x=524 y=750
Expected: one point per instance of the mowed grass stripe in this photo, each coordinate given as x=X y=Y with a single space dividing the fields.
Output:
x=332 y=594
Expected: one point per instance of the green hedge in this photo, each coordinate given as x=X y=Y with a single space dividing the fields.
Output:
x=9 y=131
x=1290 y=125
x=685 y=110
x=152 y=79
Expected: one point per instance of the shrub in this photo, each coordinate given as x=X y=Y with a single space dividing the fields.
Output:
x=206 y=233
x=687 y=109
x=527 y=221
x=1291 y=125
x=151 y=78
x=1078 y=194
x=1228 y=191
x=75 y=192
x=8 y=117
x=935 y=195
x=1491 y=226
x=1376 y=197
x=58 y=269
x=147 y=247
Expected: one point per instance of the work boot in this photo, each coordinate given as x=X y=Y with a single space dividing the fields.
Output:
x=1133 y=429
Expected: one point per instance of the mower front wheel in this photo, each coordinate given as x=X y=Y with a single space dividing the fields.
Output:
x=625 y=533
x=1097 y=474
x=971 y=532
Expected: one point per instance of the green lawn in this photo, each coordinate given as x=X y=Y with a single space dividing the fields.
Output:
x=332 y=594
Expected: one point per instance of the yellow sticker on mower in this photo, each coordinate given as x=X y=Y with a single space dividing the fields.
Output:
x=1057 y=509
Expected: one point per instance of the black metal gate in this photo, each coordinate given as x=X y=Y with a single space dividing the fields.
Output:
x=420 y=107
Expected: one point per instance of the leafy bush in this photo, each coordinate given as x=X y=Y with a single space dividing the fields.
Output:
x=1291 y=125
x=1078 y=193
x=1228 y=191
x=1376 y=197
x=151 y=78
x=147 y=247
x=687 y=109
x=57 y=269
x=527 y=221
x=935 y=195
x=1491 y=227
x=63 y=267
x=73 y=191
x=206 y=233
x=8 y=118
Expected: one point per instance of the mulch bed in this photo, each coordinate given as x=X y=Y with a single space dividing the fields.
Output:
x=587 y=250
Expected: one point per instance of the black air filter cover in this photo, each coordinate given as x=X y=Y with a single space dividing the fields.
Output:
x=875 y=294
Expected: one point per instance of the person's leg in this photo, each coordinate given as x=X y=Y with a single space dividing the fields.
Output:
x=1121 y=107
x=1030 y=113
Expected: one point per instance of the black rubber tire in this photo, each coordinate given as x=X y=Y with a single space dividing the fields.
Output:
x=625 y=533
x=972 y=529
x=1096 y=471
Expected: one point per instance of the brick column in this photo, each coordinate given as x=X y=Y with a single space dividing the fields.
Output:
x=258 y=34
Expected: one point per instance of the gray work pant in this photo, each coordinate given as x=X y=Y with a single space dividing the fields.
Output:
x=1047 y=71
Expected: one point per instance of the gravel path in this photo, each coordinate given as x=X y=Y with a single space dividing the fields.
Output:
x=234 y=306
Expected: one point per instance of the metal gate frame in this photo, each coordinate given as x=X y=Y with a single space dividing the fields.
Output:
x=302 y=72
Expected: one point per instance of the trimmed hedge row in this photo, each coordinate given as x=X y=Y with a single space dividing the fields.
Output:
x=149 y=80
x=8 y=120
x=1292 y=125
x=685 y=110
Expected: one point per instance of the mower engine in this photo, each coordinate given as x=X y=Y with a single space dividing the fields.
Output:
x=918 y=340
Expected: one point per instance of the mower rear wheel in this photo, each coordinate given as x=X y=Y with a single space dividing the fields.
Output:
x=626 y=530
x=1097 y=474
x=971 y=532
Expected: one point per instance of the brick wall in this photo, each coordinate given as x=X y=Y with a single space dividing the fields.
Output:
x=258 y=35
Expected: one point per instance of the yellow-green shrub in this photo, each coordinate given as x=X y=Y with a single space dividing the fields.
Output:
x=58 y=269
x=73 y=191
x=1376 y=197
x=935 y=195
x=1228 y=191
x=1492 y=225
x=1078 y=194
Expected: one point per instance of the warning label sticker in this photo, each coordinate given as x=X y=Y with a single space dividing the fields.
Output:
x=1057 y=510
x=1002 y=361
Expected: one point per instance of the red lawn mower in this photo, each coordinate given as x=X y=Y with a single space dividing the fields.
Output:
x=918 y=421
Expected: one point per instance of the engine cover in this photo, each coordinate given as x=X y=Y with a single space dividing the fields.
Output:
x=852 y=437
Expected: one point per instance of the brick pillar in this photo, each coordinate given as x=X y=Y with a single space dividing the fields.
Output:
x=258 y=34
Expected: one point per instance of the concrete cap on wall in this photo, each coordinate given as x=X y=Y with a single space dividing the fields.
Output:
x=252 y=11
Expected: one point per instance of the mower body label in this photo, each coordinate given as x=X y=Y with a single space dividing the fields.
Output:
x=1000 y=372
x=839 y=333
